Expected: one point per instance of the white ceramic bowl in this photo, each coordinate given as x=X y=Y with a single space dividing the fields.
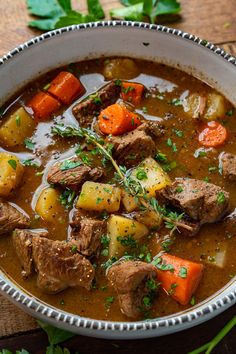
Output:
x=137 y=40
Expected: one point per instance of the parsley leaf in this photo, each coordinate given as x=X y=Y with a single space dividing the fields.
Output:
x=12 y=163
x=220 y=198
x=29 y=144
x=95 y=9
x=68 y=165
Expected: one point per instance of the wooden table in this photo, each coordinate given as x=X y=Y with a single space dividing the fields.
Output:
x=209 y=19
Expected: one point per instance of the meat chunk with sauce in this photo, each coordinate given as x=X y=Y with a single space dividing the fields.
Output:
x=72 y=174
x=228 y=164
x=59 y=266
x=129 y=280
x=86 y=235
x=22 y=242
x=133 y=147
x=86 y=110
x=202 y=201
x=12 y=217
x=152 y=128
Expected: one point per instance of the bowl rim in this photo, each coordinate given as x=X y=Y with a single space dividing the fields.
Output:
x=208 y=308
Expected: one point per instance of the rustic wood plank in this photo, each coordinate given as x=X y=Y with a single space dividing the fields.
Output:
x=209 y=19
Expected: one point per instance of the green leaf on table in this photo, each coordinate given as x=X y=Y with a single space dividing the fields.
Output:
x=44 y=25
x=57 y=350
x=45 y=8
x=132 y=13
x=65 y=4
x=138 y=11
x=95 y=9
x=73 y=18
x=22 y=351
x=130 y=2
x=154 y=8
x=55 y=335
x=5 y=351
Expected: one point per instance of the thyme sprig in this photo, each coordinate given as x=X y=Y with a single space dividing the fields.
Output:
x=122 y=175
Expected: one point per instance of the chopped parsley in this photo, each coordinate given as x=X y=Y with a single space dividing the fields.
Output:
x=212 y=169
x=99 y=200
x=18 y=120
x=151 y=284
x=141 y=174
x=12 y=163
x=200 y=153
x=109 y=262
x=229 y=113
x=176 y=102
x=127 y=89
x=192 y=301
x=171 y=144
x=73 y=249
x=110 y=299
x=147 y=301
x=29 y=144
x=67 y=198
x=179 y=133
x=220 y=198
x=69 y=164
x=179 y=189
x=127 y=241
x=172 y=289
x=30 y=163
x=160 y=157
x=183 y=272
x=158 y=262
x=96 y=98
x=105 y=240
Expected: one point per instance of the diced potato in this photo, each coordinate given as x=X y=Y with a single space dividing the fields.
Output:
x=48 y=205
x=215 y=107
x=149 y=218
x=99 y=196
x=119 y=228
x=194 y=105
x=151 y=176
x=11 y=172
x=128 y=201
x=16 y=128
x=120 y=69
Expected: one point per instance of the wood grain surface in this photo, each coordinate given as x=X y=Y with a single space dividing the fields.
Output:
x=209 y=19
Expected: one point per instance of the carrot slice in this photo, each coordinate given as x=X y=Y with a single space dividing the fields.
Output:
x=117 y=119
x=66 y=87
x=214 y=134
x=132 y=92
x=179 y=277
x=43 y=105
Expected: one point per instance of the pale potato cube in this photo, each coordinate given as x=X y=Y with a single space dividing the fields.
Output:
x=48 y=205
x=215 y=107
x=11 y=172
x=123 y=232
x=120 y=68
x=194 y=105
x=99 y=196
x=151 y=176
x=16 y=128
x=149 y=218
x=128 y=201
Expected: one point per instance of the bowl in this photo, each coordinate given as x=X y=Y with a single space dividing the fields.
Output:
x=138 y=40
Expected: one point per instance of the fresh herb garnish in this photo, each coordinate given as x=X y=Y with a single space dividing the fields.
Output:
x=160 y=157
x=73 y=249
x=176 y=102
x=127 y=241
x=230 y=113
x=18 y=120
x=67 y=198
x=220 y=198
x=141 y=174
x=69 y=164
x=30 y=163
x=183 y=272
x=12 y=163
x=29 y=144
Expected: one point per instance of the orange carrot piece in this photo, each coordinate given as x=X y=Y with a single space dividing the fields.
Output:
x=43 y=105
x=214 y=134
x=181 y=278
x=117 y=119
x=65 y=87
x=132 y=92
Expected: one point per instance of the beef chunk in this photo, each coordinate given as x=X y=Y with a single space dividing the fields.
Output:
x=85 y=111
x=202 y=201
x=152 y=128
x=22 y=242
x=228 y=164
x=129 y=280
x=87 y=236
x=74 y=177
x=132 y=148
x=11 y=217
x=59 y=266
